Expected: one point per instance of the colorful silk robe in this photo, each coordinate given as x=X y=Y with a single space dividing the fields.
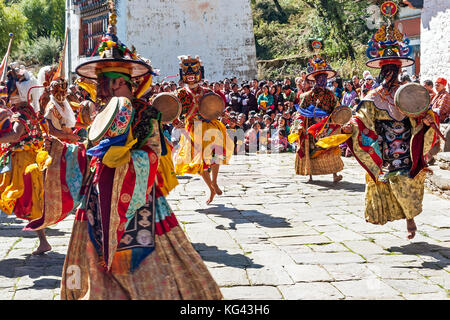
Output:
x=389 y=195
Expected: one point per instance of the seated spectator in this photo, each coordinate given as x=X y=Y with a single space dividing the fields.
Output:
x=280 y=108
x=249 y=123
x=252 y=138
x=288 y=95
x=265 y=100
x=280 y=141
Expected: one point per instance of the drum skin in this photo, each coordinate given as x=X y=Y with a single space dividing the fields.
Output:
x=211 y=106
x=169 y=106
x=341 y=115
x=412 y=99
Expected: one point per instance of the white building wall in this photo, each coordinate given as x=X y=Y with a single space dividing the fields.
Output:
x=435 y=40
x=219 y=31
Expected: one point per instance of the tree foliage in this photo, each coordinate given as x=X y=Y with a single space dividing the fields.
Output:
x=342 y=24
x=46 y=18
x=38 y=27
x=11 y=20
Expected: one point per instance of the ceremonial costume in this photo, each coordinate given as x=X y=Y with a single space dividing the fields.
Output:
x=387 y=143
x=215 y=149
x=313 y=123
x=21 y=193
x=126 y=242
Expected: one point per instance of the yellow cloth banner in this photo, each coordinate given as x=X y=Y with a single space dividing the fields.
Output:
x=333 y=141
x=293 y=137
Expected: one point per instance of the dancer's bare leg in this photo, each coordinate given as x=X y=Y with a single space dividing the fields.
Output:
x=44 y=246
x=215 y=173
x=411 y=227
x=336 y=177
x=310 y=178
x=207 y=179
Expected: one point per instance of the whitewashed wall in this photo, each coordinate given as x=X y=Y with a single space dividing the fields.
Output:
x=219 y=31
x=435 y=40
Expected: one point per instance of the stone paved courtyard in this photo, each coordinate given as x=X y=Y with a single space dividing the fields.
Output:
x=273 y=236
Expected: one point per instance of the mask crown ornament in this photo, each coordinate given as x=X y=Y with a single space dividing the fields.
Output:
x=317 y=65
x=388 y=45
x=115 y=57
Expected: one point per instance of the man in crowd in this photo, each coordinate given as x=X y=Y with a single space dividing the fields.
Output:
x=428 y=84
x=249 y=101
x=234 y=98
x=441 y=102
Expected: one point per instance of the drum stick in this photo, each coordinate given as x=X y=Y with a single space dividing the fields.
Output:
x=434 y=126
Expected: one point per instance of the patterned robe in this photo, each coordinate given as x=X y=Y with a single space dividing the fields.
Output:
x=391 y=148
x=311 y=159
x=216 y=146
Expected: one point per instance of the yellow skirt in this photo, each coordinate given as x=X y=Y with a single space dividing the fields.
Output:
x=12 y=187
x=400 y=198
x=208 y=144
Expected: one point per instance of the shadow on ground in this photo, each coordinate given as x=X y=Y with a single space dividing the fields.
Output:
x=17 y=232
x=425 y=249
x=244 y=216
x=49 y=264
x=214 y=254
x=342 y=185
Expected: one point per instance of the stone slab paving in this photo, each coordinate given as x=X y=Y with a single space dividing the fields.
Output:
x=273 y=236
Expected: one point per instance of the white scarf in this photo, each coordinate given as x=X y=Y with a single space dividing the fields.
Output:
x=66 y=113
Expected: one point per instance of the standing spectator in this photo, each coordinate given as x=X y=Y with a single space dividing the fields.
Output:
x=303 y=75
x=234 y=98
x=337 y=88
x=307 y=85
x=249 y=101
x=428 y=84
x=356 y=85
x=216 y=89
x=265 y=100
x=368 y=85
x=254 y=87
x=441 y=102
x=405 y=79
x=350 y=95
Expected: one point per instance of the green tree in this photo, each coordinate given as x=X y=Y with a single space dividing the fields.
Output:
x=46 y=18
x=341 y=23
x=11 y=20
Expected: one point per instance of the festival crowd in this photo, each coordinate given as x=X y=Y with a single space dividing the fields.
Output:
x=264 y=109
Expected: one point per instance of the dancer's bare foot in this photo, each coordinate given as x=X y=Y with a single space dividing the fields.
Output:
x=43 y=248
x=211 y=196
x=217 y=189
x=411 y=227
x=337 y=178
